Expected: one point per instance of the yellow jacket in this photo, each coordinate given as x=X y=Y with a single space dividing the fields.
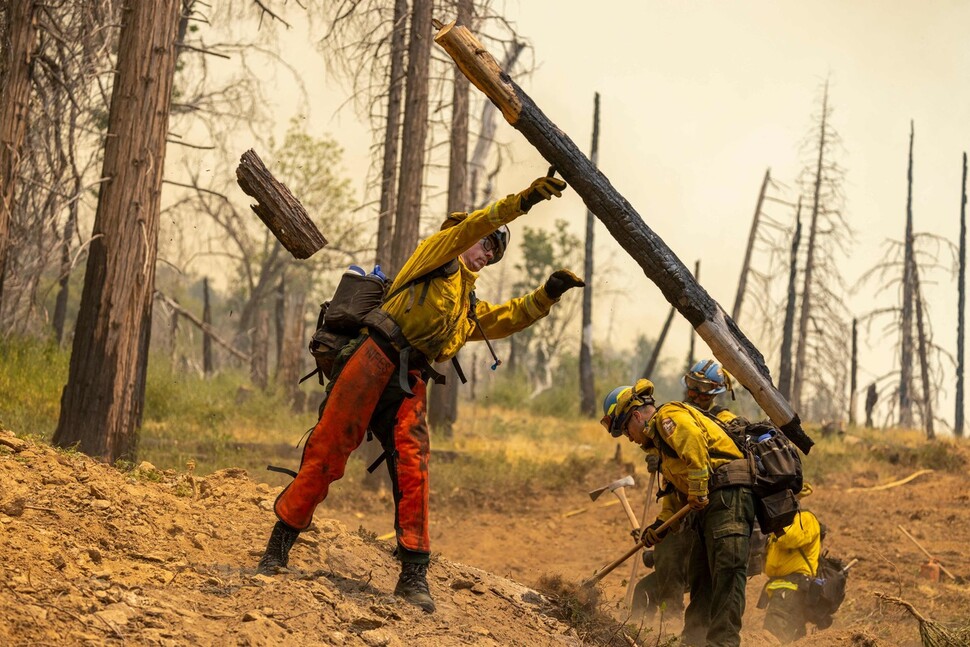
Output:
x=699 y=446
x=440 y=326
x=782 y=556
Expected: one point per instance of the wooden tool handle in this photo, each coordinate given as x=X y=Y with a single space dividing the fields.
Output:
x=927 y=553
x=621 y=495
x=606 y=570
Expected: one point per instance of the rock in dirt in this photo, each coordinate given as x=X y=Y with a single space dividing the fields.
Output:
x=14 y=507
x=10 y=441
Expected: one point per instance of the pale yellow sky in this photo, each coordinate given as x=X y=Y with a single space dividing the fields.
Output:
x=699 y=97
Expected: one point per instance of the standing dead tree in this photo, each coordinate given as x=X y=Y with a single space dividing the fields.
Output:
x=961 y=302
x=102 y=404
x=819 y=385
x=788 y=329
x=752 y=237
x=587 y=384
x=909 y=289
x=659 y=263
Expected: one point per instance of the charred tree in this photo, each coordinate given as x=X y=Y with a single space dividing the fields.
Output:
x=443 y=400
x=207 y=365
x=259 y=343
x=410 y=185
x=909 y=265
x=923 y=342
x=854 y=371
x=102 y=403
x=658 y=262
x=655 y=354
x=752 y=236
x=392 y=135
x=788 y=330
x=690 y=348
x=14 y=103
x=961 y=303
x=587 y=384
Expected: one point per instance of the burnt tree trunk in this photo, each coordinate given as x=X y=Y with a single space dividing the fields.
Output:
x=587 y=384
x=289 y=368
x=788 y=329
x=804 y=315
x=961 y=303
x=854 y=371
x=658 y=262
x=752 y=236
x=413 y=140
x=655 y=354
x=279 y=319
x=64 y=280
x=443 y=399
x=924 y=360
x=690 y=347
x=14 y=104
x=909 y=264
x=259 y=360
x=103 y=401
x=207 y=365
x=392 y=134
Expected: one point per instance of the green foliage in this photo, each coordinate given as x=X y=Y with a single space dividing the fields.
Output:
x=32 y=376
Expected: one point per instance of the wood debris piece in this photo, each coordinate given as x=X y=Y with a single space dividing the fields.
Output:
x=886 y=486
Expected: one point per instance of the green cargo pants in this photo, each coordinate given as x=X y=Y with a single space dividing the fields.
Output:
x=717 y=569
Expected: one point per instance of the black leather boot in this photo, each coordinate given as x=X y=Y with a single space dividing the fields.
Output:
x=277 y=553
x=412 y=585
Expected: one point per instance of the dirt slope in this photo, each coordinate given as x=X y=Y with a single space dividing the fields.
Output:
x=93 y=556
x=97 y=556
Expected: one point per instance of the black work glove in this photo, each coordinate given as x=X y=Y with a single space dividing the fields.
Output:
x=560 y=281
x=650 y=536
x=653 y=464
x=542 y=189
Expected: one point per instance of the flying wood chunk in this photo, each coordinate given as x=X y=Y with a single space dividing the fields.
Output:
x=659 y=263
x=278 y=208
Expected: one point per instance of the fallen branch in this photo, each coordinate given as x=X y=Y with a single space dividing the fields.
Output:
x=171 y=303
x=729 y=345
x=886 y=486
x=931 y=633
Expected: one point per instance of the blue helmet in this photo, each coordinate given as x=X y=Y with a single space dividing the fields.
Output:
x=707 y=377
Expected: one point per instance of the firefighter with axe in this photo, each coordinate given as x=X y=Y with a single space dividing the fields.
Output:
x=698 y=461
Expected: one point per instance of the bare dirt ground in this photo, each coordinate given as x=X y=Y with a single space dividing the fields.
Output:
x=98 y=556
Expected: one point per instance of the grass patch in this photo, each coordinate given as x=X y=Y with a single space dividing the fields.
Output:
x=32 y=376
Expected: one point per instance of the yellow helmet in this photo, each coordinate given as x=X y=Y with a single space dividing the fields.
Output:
x=621 y=401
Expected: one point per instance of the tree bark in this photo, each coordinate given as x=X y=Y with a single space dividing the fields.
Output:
x=587 y=384
x=392 y=134
x=408 y=218
x=278 y=208
x=961 y=303
x=443 y=399
x=103 y=401
x=14 y=104
x=788 y=330
x=64 y=280
x=207 y=365
x=808 y=284
x=909 y=264
x=259 y=360
x=658 y=262
x=289 y=371
x=924 y=360
x=655 y=355
x=854 y=371
x=752 y=236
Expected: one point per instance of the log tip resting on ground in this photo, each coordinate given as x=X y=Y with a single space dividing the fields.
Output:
x=278 y=208
x=729 y=345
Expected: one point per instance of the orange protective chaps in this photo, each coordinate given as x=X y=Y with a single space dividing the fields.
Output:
x=366 y=393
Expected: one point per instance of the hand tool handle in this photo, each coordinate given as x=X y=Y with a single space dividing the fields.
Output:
x=621 y=495
x=632 y=585
x=926 y=552
x=606 y=570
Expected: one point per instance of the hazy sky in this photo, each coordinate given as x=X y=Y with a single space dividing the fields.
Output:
x=698 y=98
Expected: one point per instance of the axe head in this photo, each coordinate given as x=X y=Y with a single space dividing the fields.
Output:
x=626 y=481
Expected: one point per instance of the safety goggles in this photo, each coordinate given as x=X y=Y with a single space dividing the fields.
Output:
x=489 y=244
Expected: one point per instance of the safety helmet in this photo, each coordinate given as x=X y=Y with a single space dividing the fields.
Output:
x=621 y=401
x=497 y=241
x=707 y=377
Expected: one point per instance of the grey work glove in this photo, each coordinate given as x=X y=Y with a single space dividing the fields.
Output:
x=653 y=464
x=543 y=188
x=560 y=281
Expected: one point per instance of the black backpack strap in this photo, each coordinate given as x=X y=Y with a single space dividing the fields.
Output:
x=281 y=470
x=460 y=373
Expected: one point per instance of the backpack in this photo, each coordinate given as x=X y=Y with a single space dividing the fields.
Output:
x=355 y=304
x=777 y=473
x=826 y=590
